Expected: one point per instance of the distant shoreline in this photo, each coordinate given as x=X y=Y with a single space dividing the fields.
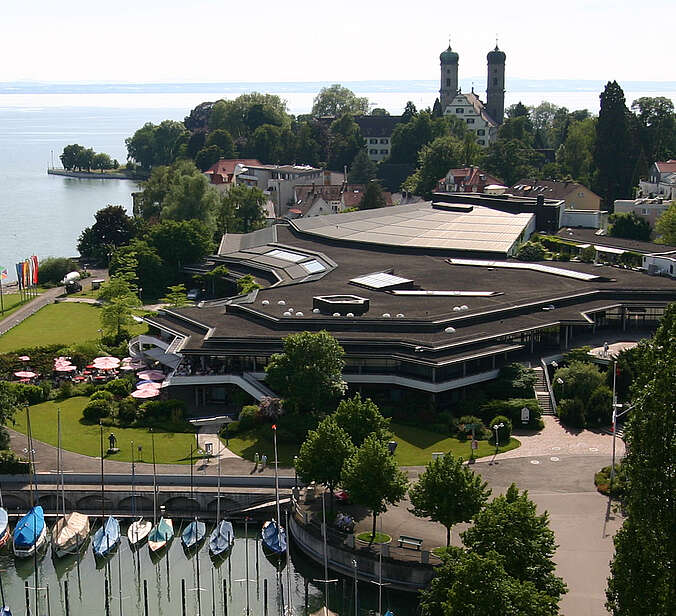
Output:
x=90 y=175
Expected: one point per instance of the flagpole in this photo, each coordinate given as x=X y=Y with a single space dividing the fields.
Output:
x=2 y=303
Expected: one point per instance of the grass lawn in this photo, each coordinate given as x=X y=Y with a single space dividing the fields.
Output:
x=170 y=448
x=415 y=446
x=379 y=538
x=63 y=323
x=10 y=302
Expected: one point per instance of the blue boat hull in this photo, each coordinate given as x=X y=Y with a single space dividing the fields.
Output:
x=274 y=537
x=30 y=532
x=221 y=538
x=107 y=537
x=193 y=534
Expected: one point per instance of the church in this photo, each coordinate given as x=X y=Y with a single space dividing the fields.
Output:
x=482 y=119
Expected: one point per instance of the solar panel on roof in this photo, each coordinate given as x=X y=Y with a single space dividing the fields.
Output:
x=380 y=280
x=286 y=255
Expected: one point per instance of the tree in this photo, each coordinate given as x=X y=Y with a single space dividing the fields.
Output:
x=246 y=284
x=510 y=526
x=519 y=128
x=448 y=492
x=119 y=300
x=337 y=100
x=102 y=162
x=574 y=386
x=379 y=111
x=373 y=479
x=9 y=402
x=54 y=269
x=361 y=418
x=345 y=141
x=191 y=198
x=308 y=374
x=153 y=145
x=71 y=156
x=643 y=571
x=409 y=113
x=147 y=267
x=614 y=155
x=243 y=115
x=575 y=155
x=510 y=160
x=530 y=251
x=180 y=243
x=665 y=226
x=222 y=139
x=323 y=454
x=373 y=197
x=207 y=157
x=267 y=143
x=470 y=583
x=241 y=210
x=434 y=161
x=362 y=169
x=113 y=227
x=657 y=123
x=517 y=110
x=176 y=296
x=151 y=199
x=629 y=225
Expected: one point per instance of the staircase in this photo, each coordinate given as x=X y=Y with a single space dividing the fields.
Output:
x=542 y=393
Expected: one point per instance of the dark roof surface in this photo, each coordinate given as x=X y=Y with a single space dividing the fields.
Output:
x=588 y=236
x=529 y=187
x=377 y=126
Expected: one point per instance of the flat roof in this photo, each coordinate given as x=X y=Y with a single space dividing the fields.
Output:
x=589 y=236
x=420 y=225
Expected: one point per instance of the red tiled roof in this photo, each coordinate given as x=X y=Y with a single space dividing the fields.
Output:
x=666 y=167
x=226 y=166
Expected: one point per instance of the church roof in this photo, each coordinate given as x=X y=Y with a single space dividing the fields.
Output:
x=479 y=107
x=496 y=56
x=449 y=56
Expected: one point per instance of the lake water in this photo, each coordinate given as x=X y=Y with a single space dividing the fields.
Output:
x=44 y=215
x=87 y=579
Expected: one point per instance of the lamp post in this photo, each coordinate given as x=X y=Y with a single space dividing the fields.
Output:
x=615 y=416
x=295 y=472
x=497 y=427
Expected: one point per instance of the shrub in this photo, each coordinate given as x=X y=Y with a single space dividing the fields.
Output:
x=102 y=394
x=514 y=381
x=530 y=251
x=599 y=407
x=161 y=412
x=120 y=388
x=588 y=254
x=126 y=411
x=602 y=481
x=29 y=394
x=54 y=269
x=248 y=417
x=97 y=410
x=578 y=379
x=11 y=464
x=505 y=432
x=65 y=390
x=563 y=256
x=571 y=412
x=479 y=432
x=512 y=409
x=294 y=428
x=629 y=225
x=229 y=429
x=4 y=438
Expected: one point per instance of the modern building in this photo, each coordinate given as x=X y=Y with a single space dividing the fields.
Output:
x=575 y=195
x=662 y=181
x=223 y=173
x=482 y=119
x=377 y=132
x=648 y=209
x=661 y=264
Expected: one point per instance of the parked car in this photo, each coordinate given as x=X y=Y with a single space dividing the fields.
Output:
x=193 y=295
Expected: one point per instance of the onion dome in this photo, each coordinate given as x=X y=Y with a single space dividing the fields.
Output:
x=449 y=56
x=496 y=56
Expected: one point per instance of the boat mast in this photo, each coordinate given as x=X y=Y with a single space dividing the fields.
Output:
x=218 y=498
x=274 y=434
x=152 y=438
x=103 y=494
x=133 y=479
x=59 y=464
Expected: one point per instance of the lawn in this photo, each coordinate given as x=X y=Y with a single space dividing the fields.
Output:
x=170 y=448
x=415 y=446
x=62 y=323
x=10 y=302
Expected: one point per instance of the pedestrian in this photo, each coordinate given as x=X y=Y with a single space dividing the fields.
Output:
x=264 y=461
x=256 y=460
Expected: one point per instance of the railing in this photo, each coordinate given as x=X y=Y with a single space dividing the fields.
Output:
x=545 y=371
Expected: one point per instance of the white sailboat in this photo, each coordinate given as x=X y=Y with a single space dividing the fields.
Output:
x=139 y=529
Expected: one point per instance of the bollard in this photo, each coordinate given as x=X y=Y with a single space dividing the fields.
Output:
x=145 y=597
x=265 y=596
x=65 y=594
x=106 y=598
x=183 y=596
x=49 y=603
x=28 y=598
x=225 y=598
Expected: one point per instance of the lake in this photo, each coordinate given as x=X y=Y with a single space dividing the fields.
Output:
x=44 y=215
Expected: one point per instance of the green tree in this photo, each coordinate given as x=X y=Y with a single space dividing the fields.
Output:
x=345 y=141
x=246 y=284
x=469 y=583
x=222 y=139
x=119 y=300
x=530 y=251
x=308 y=374
x=151 y=199
x=149 y=271
x=113 y=227
x=207 y=157
x=243 y=115
x=510 y=160
x=54 y=269
x=71 y=156
x=510 y=526
x=373 y=479
x=629 y=225
x=643 y=571
x=337 y=100
x=85 y=159
x=191 y=198
x=362 y=169
x=614 y=155
x=241 y=210
x=665 y=227
x=180 y=243
x=102 y=161
x=517 y=110
x=519 y=128
x=323 y=454
x=575 y=155
x=448 y=492
x=379 y=111
x=9 y=402
x=657 y=126
x=153 y=145
x=434 y=161
x=373 y=197
x=360 y=418
x=176 y=296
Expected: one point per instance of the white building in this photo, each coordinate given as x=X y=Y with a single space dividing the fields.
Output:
x=661 y=264
x=469 y=108
x=662 y=181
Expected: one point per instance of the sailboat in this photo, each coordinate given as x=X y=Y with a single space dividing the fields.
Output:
x=196 y=530
x=139 y=529
x=273 y=533
x=71 y=530
x=107 y=536
x=4 y=523
x=163 y=531
x=30 y=533
x=223 y=536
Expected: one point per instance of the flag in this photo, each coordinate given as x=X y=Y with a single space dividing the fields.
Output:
x=19 y=274
x=34 y=259
x=3 y=273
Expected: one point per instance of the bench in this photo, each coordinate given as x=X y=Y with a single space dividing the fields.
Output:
x=413 y=542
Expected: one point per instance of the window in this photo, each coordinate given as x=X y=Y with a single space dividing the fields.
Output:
x=448 y=82
x=383 y=141
x=459 y=110
x=384 y=151
x=373 y=152
x=372 y=141
x=481 y=132
x=644 y=211
x=470 y=120
x=495 y=81
x=481 y=142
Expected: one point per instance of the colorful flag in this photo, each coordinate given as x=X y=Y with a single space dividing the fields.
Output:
x=34 y=259
x=19 y=274
x=3 y=273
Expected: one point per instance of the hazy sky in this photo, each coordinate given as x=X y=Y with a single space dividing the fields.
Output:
x=346 y=40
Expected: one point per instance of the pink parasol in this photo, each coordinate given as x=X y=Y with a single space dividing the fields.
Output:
x=127 y=368
x=64 y=368
x=151 y=375
x=149 y=386
x=25 y=374
x=106 y=363
x=145 y=392
x=24 y=358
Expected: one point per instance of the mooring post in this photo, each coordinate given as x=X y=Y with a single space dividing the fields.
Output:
x=183 y=596
x=65 y=595
x=106 y=598
x=225 y=598
x=28 y=598
x=49 y=604
x=265 y=596
x=145 y=597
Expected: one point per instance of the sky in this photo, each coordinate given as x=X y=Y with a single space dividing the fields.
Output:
x=267 y=40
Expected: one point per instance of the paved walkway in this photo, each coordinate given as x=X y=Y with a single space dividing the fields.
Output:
x=47 y=297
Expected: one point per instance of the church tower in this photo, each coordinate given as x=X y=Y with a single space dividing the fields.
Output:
x=449 y=77
x=495 y=89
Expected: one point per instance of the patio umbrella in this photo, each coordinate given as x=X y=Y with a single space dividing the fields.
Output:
x=69 y=368
x=147 y=382
x=151 y=375
x=24 y=358
x=145 y=392
x=25 y=374
x=106 y=363
x=127 y=368
x=157 y=386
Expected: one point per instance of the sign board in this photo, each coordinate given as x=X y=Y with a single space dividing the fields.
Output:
x=475 y=444
x=525 y=415
x=437 y=454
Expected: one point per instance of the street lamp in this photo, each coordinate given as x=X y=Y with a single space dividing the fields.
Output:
x=615 y=416
x=496 y=427
x=295 y=472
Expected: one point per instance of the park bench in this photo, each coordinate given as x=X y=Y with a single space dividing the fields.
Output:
x=413 y=542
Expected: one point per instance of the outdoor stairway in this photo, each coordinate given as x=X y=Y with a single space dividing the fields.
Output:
x=541 y=393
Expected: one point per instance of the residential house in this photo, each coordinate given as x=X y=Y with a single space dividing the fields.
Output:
x=467 y=179
x=318 y=200
x=662 y=181
x=648 y=209
x=223 y=174
x=575 y=195
x=377 y=132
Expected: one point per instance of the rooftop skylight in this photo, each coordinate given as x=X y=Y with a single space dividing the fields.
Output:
x=286 y=255
x=313 y=266
x=380 y=280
